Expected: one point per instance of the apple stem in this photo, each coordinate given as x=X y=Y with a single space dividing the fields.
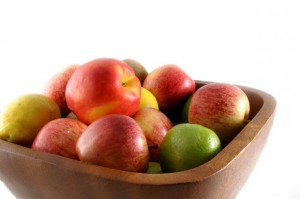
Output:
x=155 y=146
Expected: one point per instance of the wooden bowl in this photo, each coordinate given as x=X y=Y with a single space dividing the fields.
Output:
x=38 y=175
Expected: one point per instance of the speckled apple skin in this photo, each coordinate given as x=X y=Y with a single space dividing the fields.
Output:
x=155 y=125
x=59 y=137
x=55 y=88
x=221 y=107
x=114 y=141
x=170 y=85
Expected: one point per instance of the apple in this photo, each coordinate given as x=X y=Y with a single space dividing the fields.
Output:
x=222 y=107
x=171 y=86
x=55 y=88
x=139 y=70
x=59 y=137
x=155 y=126
x=114 y=141
x=103 y=86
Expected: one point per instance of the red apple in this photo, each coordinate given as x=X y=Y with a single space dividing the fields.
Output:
x=59 y=137
x=103 y=86
x=171 y=86
x=221 y=107
x=56 y=86
x=114 y=141
x=155 y=126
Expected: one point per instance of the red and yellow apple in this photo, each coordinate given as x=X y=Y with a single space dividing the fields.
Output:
x=55 y=88
x=155 y=126
x=103 y=86
x=139 y=70
x=59 y=137
x=221 y=107
x=114 y=141
x=171 y=86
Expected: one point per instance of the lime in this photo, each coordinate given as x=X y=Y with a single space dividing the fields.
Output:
x=186 y=146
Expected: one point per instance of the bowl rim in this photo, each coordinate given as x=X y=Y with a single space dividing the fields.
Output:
x=200 y=173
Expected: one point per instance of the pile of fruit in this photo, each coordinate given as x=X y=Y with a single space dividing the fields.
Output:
x=115 y=114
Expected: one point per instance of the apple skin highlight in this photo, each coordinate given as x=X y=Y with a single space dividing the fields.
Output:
x=114 y=141
x=222 y=107
x=103 y=86
x=171 y=86
x=155 y=125
x=59 y=137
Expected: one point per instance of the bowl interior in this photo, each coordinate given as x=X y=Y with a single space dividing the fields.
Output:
x=262 y=108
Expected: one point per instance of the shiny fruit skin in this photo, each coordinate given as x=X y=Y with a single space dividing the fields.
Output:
x=24 y=116
x=155 y=125
x=187 y=146
x=221 y=107
x=114 y=141
x=59 y=137
x=55 y=88
x=147 y=100
x=171 y=86
x=139 y=70
x=101 y=87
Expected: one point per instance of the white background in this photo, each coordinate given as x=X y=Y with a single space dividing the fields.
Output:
x=253 y=43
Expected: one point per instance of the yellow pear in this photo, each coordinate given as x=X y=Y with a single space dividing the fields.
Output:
x=25 y=116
